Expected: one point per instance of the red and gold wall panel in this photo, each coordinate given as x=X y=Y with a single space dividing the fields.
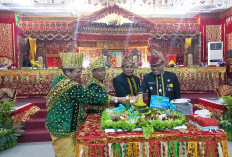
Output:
x=229 y=41
x=8 y=38
x=37 y=82
x=212 y=33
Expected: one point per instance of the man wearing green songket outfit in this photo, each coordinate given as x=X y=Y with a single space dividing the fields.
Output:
x=65 y=105
x=96 y=83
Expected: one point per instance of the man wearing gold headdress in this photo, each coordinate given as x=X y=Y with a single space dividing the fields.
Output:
x=96 y=84
x=126 y=83
x=65 y=104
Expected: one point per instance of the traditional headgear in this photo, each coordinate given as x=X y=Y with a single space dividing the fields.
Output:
x=98 y=62
x=127 y=59
x=71 y=60
x=157 y=57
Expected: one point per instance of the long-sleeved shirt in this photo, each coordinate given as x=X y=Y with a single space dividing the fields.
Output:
x=166 y=85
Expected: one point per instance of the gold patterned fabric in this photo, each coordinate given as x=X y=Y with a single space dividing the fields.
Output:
x=213 y=33
x=131 y=87
x=225 y=149
x=229 y=41
x=219 y=112
x=224 y=90
x=99 y=88
x=6 y=37
x=58 y=90
x=192 y=149
x=198 y=79
x=99 y=62
x=71 y=60
x=65 y=103
x=183 y=143
x=21 y=115
x=64 y=146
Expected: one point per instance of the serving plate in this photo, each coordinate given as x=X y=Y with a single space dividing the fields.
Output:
x=180 y=100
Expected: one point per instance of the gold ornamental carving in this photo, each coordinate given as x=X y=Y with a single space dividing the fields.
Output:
x=229 y=41
x=213 y=33
x=6 y=40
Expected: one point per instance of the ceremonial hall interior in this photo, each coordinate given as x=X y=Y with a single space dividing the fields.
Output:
x=195 y=36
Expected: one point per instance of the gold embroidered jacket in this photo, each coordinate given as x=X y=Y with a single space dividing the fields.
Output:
x=98 y=87
x=65 y=104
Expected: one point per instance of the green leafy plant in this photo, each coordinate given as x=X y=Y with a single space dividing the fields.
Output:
x=9 y=137
x=5 y=112
x=226 y=121
x=148 y=126
x=8 y=133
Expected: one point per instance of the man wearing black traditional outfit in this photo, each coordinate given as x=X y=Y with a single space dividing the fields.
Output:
x=126 y=83
x=160 y=82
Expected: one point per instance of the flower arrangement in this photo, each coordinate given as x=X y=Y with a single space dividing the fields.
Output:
x=171 y=63
x=35 y=64
x=140 y=64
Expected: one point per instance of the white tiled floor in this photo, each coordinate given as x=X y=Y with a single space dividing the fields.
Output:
x=44 y=149
x=33 y=149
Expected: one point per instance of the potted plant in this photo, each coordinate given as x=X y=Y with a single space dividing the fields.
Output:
x=8 y=133
x=226 y=121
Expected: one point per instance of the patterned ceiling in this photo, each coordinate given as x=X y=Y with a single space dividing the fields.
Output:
x=145 y=8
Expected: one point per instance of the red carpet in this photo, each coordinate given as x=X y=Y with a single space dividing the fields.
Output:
x=35 y=128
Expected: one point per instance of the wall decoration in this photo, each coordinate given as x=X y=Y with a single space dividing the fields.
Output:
x=213 y=33
x=116 y=58
x=229 y=41
x=6 y=37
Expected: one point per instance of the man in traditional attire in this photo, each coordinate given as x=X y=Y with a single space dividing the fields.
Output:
x=160 y=82
x=65 y=105
x=96 y=83
x=126 y=83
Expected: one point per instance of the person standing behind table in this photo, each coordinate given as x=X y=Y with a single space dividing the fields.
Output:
x=126 y=83
x=65 y=105
x=160 y=82
x=96 y=83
